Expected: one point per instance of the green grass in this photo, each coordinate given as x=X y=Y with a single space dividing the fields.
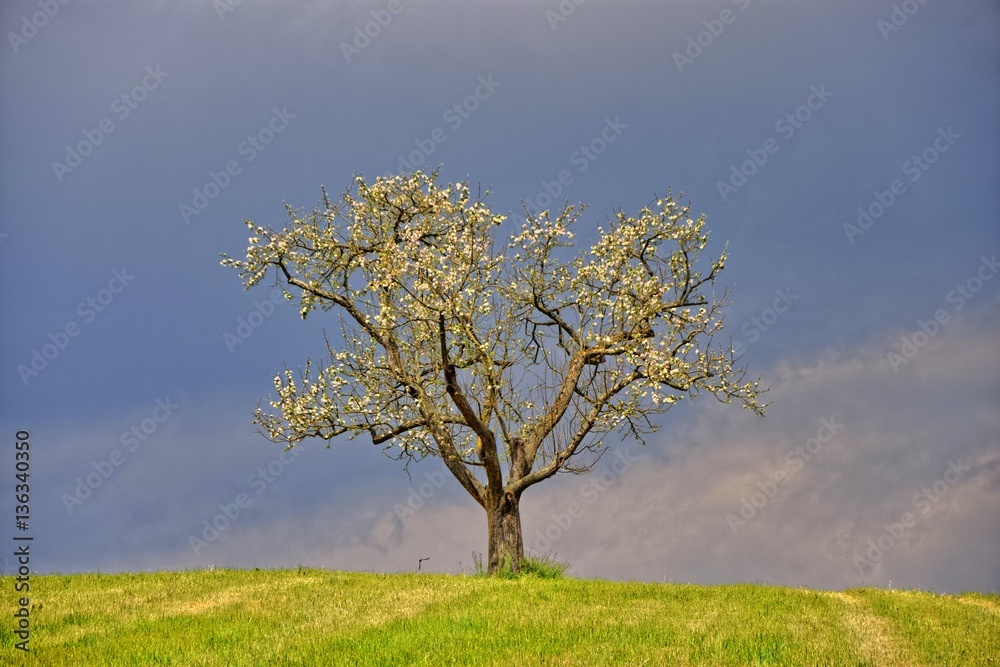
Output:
x=318 y=617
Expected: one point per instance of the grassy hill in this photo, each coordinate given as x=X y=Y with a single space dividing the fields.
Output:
x=317 y=617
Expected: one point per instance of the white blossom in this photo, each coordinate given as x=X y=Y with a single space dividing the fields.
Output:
x=549 y=348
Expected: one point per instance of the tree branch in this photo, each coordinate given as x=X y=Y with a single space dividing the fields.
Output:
x=489 y=455
x=567 y=452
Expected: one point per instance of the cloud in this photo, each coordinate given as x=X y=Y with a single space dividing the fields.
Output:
x=769 y=500
x=849 y=447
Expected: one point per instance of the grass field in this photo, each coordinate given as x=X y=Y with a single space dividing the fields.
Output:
x=318 y=617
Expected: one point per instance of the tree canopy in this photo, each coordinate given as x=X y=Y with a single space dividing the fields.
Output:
x=508 y=360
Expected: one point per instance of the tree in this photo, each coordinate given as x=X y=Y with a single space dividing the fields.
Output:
x=509 y=363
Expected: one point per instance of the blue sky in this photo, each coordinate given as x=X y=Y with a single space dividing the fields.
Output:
x=844 y=106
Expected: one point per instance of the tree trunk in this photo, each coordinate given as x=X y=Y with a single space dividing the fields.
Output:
x=506 y=546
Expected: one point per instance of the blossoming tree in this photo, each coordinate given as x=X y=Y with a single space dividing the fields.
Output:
x=510 y=363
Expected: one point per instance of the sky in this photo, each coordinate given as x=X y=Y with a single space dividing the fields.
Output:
x=846 y=152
